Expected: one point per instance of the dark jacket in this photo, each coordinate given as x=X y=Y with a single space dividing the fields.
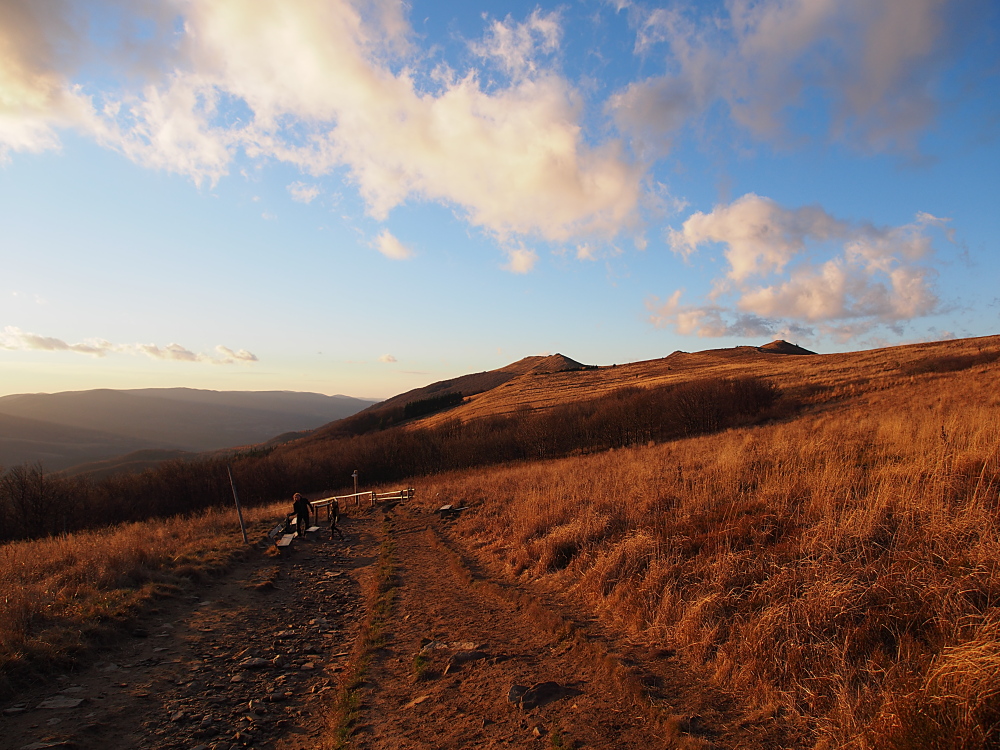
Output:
x=301 y=508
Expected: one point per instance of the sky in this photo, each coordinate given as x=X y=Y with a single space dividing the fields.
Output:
x=364 y=197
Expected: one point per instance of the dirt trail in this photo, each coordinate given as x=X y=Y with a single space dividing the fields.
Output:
x=461 y=649
x=256 y=658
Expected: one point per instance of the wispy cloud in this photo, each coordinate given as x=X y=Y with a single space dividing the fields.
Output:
x=516 y=46
x=304 y=193
x=14 y=339
x=520 y=260
x=873 y=63
x=387 y=244
x=792 y=268
x=388 y=358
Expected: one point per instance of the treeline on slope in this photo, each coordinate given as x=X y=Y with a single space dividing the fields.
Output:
x=381 y=417
x=425 y=406
x=33 y=504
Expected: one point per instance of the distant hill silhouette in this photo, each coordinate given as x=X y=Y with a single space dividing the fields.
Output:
x=783 y=347
x=57 y=446
x=73 y=427
x=130 y=463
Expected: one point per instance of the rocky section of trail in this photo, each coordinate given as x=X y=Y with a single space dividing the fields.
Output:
x=244 y=661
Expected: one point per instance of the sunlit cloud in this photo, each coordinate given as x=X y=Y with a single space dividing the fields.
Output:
x=520 y=260
x=387 y=358
x=799 y=268
x=304 y=193
x=228 y=356
x=511 y=158
x=14 y=339
x=387 y=244
x=515 y=46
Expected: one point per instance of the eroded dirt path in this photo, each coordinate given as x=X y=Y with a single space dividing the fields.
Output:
x=242 y=661
x=455 y=653
x=472 y=663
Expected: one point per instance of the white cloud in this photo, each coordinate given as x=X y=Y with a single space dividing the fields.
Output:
x=792 y=269
x=517 y=46
x=14 y=339
x=387 y=244
x=709 y=321
x=228 y=356
x=329 y=85
x=303 y=193
x=874 y=62
x=520 y=260
x=760 y=236
x=387 y=358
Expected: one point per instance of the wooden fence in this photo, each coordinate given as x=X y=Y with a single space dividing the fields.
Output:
x=373 y=497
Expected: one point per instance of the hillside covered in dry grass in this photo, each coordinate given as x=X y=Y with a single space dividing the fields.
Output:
x=837 y=568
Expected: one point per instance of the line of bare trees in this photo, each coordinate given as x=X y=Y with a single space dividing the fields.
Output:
x=35 y=504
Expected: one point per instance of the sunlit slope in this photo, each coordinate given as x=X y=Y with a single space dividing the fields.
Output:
x=465 y=385
x=815 y=378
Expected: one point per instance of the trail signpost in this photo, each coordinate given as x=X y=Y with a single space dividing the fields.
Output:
x=239 y=510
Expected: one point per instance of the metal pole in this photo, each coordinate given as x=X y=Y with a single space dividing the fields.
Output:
x=356 y=498
x=239 y=510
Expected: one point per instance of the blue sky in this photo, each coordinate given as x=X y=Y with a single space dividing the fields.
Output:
x=362 y=198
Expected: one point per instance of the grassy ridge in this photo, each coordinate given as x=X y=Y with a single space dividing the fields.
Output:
x=840 y=568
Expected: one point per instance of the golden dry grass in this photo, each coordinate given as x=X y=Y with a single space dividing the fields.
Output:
x=817 y=378
x=59 y=595
x=842 y=565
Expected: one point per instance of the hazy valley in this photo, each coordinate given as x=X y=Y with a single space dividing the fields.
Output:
x=63 y=430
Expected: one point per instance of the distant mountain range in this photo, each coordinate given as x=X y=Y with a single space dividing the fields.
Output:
x=66 y=429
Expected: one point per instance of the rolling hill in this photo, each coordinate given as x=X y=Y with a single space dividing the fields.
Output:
x=65 y=429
